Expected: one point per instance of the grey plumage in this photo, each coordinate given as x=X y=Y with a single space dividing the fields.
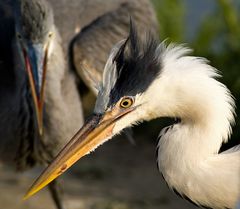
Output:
x=20 y=142
x=131 y=68
x=108 y=80
x=34 y=18
x=17 y=108
x=91 y=47
x=84 y=13
x=12 y=78
x=139 y=62
x=238 y=205
x=25 y=24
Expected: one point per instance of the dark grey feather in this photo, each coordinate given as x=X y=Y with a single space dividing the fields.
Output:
x=131 y=68
x=33 y=19
x=137 y=66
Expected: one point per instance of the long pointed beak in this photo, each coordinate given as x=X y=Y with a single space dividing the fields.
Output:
x=94 y=132
x=35 y=58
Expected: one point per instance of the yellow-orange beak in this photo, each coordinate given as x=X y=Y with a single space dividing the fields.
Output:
x=35 y=58
x=94 y=132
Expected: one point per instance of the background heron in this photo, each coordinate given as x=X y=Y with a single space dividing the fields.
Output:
x=114 y=24
x=143 y=81
x=37 y=89
x=40 y=92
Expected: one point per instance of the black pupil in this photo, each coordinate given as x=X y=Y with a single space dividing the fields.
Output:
x=125 y=103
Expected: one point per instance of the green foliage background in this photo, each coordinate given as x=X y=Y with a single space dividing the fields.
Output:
x=217 y=39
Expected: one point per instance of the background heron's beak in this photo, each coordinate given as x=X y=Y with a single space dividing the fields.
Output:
x=35 y=57
x=94 y=132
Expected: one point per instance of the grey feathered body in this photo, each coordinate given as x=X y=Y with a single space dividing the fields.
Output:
x=101 y=25
x=91 y=47
x=19 y=139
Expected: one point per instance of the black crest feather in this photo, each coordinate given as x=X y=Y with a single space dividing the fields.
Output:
x=137 y=65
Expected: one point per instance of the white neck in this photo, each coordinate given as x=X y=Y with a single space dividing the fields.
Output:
x=187 y=155
x=187 y=89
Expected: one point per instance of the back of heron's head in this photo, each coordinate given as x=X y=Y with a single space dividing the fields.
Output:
x=131 y=68
x=33 y=19
x=163 y=81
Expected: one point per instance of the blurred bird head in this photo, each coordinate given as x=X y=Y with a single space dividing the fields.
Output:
x=125 y=98
x=34 y=28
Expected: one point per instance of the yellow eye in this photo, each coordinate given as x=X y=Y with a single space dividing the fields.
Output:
x=126 y=102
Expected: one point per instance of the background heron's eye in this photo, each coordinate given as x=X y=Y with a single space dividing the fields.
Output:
x=50 y=34
x=19 y=36
x=126 y=102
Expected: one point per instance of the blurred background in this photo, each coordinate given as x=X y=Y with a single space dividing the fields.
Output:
x=212 y=29
x=119 y=175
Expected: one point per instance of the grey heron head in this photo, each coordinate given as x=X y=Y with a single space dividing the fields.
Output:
x=33 y=19
x=34 y=28
x=130 y=70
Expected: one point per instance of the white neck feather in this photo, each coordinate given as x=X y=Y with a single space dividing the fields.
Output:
x=187 y=155
x=188 y=90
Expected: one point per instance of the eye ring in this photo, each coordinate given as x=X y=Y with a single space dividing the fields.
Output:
x=126 y=102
